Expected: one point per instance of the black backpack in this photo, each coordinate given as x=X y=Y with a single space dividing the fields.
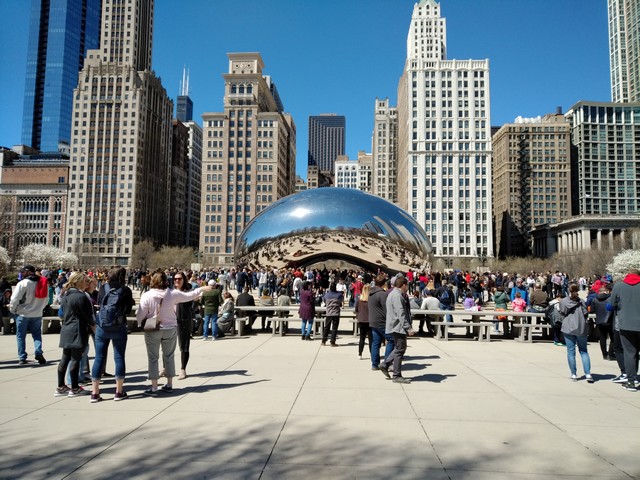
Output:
x=446 y=296
x=111 y=316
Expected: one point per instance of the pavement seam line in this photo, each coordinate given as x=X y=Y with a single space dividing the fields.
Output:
x=286 y=419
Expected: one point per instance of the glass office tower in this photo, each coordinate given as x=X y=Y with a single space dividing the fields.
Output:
x=60 y=33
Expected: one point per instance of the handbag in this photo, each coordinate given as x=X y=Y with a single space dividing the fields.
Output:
x=152 y=324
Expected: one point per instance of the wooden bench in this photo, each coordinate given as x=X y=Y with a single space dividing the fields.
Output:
x=483 y=328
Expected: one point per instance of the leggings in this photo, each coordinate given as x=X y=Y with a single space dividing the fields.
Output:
x=606 y=331
x=70 y=357
x=365 y=332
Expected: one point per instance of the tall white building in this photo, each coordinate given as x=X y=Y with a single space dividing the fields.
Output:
x=120 y=163
x=624 y=50
x=385 y=151
x=444 y=140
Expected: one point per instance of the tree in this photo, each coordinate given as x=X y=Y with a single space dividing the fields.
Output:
x=47 y=256
x=623 y=262
x=4 y=261
x=173 y=257
x=142 y=253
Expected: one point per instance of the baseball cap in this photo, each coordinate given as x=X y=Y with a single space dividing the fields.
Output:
x=31 y=268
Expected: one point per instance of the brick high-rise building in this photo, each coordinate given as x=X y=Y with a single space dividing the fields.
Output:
x=385 y=151
x=249 y=157
x=120 y=163
x=531 y=180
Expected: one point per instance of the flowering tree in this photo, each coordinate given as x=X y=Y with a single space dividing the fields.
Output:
x=4 y=261
x=623 y=262
x=47 y=256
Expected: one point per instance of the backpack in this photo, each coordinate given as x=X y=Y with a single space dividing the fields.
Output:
x=111 y=316
x=445 y=297
x=42 y=288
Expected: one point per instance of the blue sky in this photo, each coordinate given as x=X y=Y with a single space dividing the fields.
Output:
x=337 y=56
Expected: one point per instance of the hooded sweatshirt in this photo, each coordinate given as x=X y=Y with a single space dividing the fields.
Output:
x=574 y=313
x=24 y=301
x=625 y=298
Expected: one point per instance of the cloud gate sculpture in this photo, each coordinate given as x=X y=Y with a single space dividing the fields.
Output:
x=325 y=224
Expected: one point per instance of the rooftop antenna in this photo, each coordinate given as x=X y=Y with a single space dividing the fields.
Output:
x=184 y=84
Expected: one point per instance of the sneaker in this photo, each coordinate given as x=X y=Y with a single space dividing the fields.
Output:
x=401 y=380
x=574 y=378
x=384 y=370
x=631 y=386
x=373 y=367
x=41 y=360
x=167 y=388
x=589 y=379
x=120 y=396
x=107 y=375
x=95 y=398
x=22 y=362
x=61 y=391
x=558 y=344
x=620 y=379
x=151 y=393
x=77 y=392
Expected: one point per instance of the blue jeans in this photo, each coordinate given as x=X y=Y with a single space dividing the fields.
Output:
x=581 y=340
x=119 y=340
x=448 y=318
x=307 y=327
x=35 y=327
x=213 y=318
x=378 y=335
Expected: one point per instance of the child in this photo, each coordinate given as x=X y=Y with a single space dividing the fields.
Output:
x=518 y=303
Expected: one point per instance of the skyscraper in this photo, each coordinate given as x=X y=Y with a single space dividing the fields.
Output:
x=184 y=113
x=120 y=163
x=624 y=50
x=385 y=151
x=326 y=140
x=249 y=157
x=531 y=180
x=444 y=140
x=60 y=33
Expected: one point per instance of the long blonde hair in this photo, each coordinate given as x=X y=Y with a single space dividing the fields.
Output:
x=75 y=279
x=364 y=296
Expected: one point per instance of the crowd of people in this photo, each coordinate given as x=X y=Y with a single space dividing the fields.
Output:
x=95 y=304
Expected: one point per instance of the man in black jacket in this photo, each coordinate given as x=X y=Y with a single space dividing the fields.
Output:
x=245 y=299
x=377 y=320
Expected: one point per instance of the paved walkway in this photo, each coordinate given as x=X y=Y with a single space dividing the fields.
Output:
x=263 y=407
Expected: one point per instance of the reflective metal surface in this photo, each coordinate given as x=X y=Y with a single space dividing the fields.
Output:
x=334 y=224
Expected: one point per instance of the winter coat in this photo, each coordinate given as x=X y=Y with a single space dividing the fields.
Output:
x=77 y=320
x=377 y=308
x=625 y=298
x=307 y=305
x=398 y=313
x=599 y=307
x=333 y=301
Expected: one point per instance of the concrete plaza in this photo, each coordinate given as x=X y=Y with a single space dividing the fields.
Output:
x=263 y=407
